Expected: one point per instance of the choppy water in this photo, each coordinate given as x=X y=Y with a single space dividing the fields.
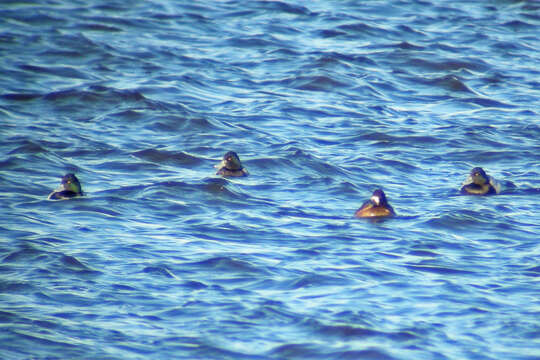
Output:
x=324 y=101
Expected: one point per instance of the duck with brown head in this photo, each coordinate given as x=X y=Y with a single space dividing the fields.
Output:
x=480 y=183
x=70 y=188
x=376 y=206
x=231 y=166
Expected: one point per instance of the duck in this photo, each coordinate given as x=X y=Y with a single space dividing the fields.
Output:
x=231 y=166
x=376 y=206
x=70 y=188
x=480 y=183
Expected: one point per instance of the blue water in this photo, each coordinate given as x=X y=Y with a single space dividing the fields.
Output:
x=324 y=101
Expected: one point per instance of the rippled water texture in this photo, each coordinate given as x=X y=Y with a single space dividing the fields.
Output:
x=324 y=101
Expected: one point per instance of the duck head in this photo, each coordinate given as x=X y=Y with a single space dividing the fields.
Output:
x=71 y=183
x=478 y=176
x=378 y=198
x=230 y=161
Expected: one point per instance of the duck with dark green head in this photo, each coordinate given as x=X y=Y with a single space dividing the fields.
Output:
x=231 y=165
x=480 y=183
x=377 y=206
x=70 y=188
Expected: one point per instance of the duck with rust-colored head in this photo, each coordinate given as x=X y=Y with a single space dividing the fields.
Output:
x=231 y=165
x=70 y=188
x=480 y=183
x=376 y=206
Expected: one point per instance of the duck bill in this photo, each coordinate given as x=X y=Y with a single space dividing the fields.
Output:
x=468 y=180
x=220 y=165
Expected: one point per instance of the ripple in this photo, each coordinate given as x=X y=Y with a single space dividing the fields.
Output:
x=63 y=71
x=163 y=156
x=323 y=101
x=23 y=255
x=461 y=218
x=226 y=264
x=99 y=94
x=159 y=271
x=439 y=270
x=314 y=83
x=452 y=83
x=449 y=65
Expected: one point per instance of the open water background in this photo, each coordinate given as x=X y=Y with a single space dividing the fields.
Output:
x=324 y=101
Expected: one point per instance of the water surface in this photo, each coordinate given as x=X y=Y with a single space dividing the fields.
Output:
x=324 y=101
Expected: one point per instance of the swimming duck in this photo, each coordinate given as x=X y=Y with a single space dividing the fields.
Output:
x=376 y=206
x=231 y=165
x=479 y=183
x=71 y=187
